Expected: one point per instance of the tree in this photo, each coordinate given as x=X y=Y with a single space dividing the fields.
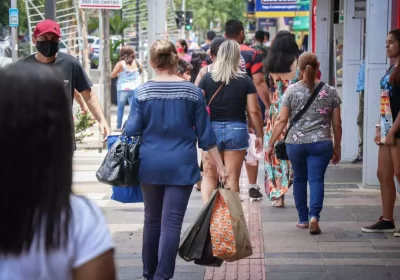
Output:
x=4 y=6
x=216 y=12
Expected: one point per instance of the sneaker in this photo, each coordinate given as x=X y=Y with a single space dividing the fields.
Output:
x=397 y=233
x=358 y=159
x=255 y=193
x=380 y=226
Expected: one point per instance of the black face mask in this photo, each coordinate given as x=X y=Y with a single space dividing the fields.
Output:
x=47 y=48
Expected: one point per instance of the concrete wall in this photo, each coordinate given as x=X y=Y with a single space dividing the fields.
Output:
x=353 y=41
x=378 y=25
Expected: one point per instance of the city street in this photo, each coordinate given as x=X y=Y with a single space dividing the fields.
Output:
x=281 y=251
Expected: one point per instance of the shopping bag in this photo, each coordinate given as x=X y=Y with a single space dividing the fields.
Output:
x=121 y=164
x=229 y=234
x=126 y=194
x=252 y=157
x=195 y=244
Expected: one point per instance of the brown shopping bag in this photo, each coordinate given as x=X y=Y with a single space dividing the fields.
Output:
x=229 y=234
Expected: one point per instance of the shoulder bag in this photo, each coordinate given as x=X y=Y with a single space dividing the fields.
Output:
x=280 y=147
x=212 y=98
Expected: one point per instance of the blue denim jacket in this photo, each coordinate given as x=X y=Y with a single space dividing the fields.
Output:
x=171 y=118
x=361 y=78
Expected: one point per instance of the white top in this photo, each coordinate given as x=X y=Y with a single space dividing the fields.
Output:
x=89 y=238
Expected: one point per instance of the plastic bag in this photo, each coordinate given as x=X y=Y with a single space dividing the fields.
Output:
x=252 y=156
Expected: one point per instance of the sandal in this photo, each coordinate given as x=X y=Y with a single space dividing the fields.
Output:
x=279 y=206
x=302 y=225
x=314 y=227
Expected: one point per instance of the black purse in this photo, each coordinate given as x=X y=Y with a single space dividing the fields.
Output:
x=121 y=164
x=280 y=147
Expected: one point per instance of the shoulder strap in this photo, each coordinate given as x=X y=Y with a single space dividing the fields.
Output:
x=297 y=117
x=138 y=66
x=215 y=94
x=123 y=64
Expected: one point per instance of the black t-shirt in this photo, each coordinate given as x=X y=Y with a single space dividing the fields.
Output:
x=71 y=70
x=231 y=101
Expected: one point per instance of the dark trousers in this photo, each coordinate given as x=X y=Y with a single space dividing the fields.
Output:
x=309 y=163
x=360 y=123
x=164 y=209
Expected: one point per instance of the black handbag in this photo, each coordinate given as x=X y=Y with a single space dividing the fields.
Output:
x=121 y=164
x=280 y=147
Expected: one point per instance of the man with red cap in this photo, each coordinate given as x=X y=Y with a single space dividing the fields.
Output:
x=46 y=37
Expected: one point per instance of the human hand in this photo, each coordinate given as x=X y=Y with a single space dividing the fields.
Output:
x=251 y=130
x=222 y=174
x=259 y=144
x=337 y=154
x=269 y=153
x=390 y=138
x=104 y=130
x=377 y=138
x=84 y=109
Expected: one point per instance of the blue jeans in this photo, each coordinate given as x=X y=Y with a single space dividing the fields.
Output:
x=164 y=209
x=309 y=163
x=231 y=136
x=123 y=96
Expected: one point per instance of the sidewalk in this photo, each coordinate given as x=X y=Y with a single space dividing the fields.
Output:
x=281 y=251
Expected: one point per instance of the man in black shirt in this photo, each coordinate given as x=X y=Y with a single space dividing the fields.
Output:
x=46 y=37
x=210 y=36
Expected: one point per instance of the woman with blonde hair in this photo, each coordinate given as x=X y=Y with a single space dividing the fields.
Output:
x=313 y=109
x=169 y=115
x=128 y=70
x=228 y=91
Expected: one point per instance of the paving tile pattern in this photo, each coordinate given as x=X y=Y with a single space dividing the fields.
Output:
x=253 y=267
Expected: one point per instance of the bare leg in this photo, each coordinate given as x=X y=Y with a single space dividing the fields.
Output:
x=210 y=177
x=386 y=180
x=233 y=163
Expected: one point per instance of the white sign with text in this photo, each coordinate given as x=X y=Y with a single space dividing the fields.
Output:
x=100 y=4
x=360 y=8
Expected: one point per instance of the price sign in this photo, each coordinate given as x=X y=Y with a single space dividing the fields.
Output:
x=13 y=17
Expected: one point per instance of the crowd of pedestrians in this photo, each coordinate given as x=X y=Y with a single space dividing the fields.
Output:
x=211 y=100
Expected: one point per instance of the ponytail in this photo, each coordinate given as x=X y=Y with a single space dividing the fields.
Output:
x=309 y=74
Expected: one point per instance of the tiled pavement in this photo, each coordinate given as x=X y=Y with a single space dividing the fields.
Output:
x=342 y=252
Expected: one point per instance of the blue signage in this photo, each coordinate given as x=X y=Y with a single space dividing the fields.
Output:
x=264 y=23
x=13 y=17
x=280 y=6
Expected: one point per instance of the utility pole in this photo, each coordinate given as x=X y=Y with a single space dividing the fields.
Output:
x=105 y=63
x=50 y=9
x=183 y=31
x=157 y=23
x=14 y=34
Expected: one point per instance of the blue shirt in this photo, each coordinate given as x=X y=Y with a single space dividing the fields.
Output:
x=171 y=118
x=361 y=78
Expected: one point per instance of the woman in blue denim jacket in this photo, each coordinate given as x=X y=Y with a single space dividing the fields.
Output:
x=170 y=116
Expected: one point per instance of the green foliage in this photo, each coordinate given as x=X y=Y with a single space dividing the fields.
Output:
x=83 y=121
x=4 y=6
x=213 y=11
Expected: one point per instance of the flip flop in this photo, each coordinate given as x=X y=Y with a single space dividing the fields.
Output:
x=302 y=226
x=277 y=206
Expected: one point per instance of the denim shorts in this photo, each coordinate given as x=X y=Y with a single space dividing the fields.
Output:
x=231 y=136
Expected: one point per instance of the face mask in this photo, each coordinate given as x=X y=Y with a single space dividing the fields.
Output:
x=47 y=48
x=180 y=50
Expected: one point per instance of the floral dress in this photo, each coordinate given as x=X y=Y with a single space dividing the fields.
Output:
x=278 y=173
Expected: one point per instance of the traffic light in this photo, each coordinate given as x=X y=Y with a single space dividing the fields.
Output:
x=179 y=19
x=188 y=20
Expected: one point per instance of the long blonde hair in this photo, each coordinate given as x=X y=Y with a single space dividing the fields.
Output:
x=226 y=66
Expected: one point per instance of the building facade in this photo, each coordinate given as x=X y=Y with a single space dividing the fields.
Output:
x=361 y=35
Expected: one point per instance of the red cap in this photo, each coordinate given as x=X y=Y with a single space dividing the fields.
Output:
x=47 y=26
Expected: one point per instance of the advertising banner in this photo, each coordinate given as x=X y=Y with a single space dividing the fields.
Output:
x=280 y=6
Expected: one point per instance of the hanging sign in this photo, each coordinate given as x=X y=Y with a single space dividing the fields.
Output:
x=360 y=8
x=101 y=4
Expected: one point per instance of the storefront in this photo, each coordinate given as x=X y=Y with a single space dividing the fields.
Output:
x=340 y=46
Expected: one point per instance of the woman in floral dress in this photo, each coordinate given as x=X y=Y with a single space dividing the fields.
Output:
x=282 y=64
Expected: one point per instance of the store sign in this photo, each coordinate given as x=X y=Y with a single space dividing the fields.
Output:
x=288 y=20
x=360 y=9
x=264 y=23
x=301 y=23
x=101 y=4
x=280 y=6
